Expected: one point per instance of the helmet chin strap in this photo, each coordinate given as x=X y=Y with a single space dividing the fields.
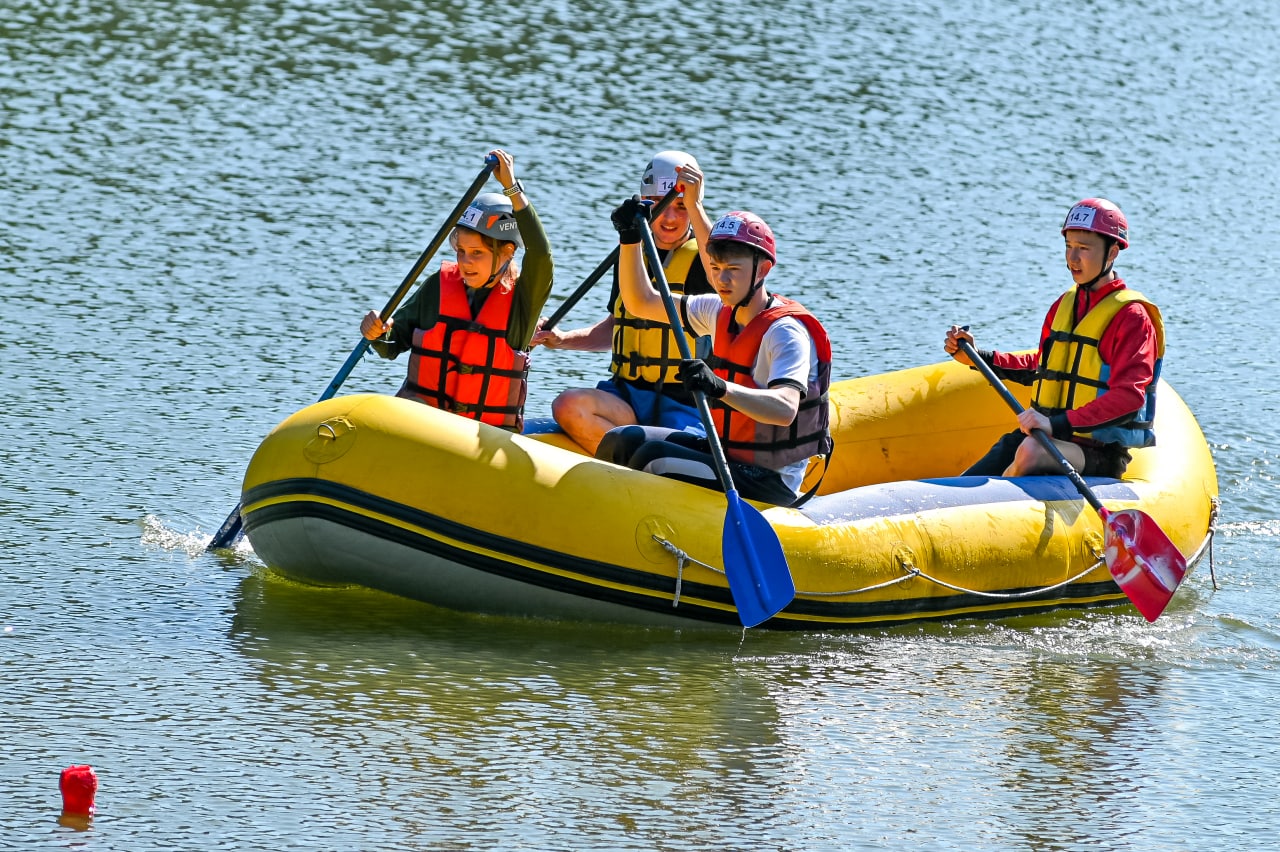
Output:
x=497 y=273
x=1106 y=268
x=756 y=284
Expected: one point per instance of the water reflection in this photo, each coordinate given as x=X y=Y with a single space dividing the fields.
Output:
x=1070 y=740
x=1050 y=717
x=499 y=715
x=78 y=823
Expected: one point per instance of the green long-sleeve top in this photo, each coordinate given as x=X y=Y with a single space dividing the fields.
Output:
x=532 y=289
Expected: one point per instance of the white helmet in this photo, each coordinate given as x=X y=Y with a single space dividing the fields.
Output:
x=660 y=174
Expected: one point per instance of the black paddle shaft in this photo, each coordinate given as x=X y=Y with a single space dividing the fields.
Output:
x=673 y=318
x=437 y=241
x=1045 y=440
x=233 y=527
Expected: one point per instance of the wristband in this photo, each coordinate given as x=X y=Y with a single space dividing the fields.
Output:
x=516 y=189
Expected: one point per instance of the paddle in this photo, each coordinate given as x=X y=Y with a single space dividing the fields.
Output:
x=233 y=527
x=599 y=271
x=1145 y=564
x=759 y=578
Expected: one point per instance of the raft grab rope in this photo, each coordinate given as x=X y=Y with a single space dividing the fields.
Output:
x=911 y=573
x=907 y=564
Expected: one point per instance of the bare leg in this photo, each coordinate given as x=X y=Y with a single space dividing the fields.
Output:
x=585 y=414
x=1032 y=460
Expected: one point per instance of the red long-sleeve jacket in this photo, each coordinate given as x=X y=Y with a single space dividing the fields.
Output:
x=1128 y=346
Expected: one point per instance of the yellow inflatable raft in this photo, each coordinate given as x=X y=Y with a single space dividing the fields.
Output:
x=393 y=495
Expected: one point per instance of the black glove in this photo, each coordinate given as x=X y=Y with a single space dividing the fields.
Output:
x=624 y=219
x=695 y=375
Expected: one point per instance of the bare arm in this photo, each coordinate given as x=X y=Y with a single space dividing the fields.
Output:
x=636 y=289
x=694 y=184
x=596 y=338
x=788 y=353
x=772 y=406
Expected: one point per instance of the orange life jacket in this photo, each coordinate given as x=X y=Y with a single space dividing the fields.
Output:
x=464 y=364
x=733 y=359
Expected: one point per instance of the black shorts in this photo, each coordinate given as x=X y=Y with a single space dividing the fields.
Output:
x=649 y=448
x=1107 y=460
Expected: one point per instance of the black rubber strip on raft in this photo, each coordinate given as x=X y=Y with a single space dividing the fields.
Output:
x=825 y=614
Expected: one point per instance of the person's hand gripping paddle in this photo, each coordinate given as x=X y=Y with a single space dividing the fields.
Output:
x=1145 y=564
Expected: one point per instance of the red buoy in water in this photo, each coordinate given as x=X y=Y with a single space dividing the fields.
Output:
x=79 y=785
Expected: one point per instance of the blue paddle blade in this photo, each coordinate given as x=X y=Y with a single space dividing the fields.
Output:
x=759 y=578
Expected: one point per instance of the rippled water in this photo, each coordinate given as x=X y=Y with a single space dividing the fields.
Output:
x=198 y=200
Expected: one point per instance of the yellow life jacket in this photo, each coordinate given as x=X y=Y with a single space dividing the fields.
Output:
x=1071 y=372
x=645 y=351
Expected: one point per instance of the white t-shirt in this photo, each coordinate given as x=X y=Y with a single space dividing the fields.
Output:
x=786 y=352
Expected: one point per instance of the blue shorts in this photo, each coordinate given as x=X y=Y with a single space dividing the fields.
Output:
x=655 y=409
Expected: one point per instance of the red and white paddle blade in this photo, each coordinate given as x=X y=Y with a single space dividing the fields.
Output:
x=1145 y=564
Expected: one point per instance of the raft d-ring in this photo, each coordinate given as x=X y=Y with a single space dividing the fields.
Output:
x=905 y=559
x=1096 y=545
x=332 y=440
x=649 y=531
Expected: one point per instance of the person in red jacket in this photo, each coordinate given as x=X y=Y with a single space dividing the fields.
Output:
x=468 y=327
x=1097 y=367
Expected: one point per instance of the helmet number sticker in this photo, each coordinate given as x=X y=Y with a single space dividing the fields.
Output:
x=471 y=217
x=727 y=226
x=1080 y=217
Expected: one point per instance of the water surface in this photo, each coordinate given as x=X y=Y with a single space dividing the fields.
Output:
x=198 y=201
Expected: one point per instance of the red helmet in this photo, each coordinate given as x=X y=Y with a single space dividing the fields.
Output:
x=739 y=226
x=1100 y=216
